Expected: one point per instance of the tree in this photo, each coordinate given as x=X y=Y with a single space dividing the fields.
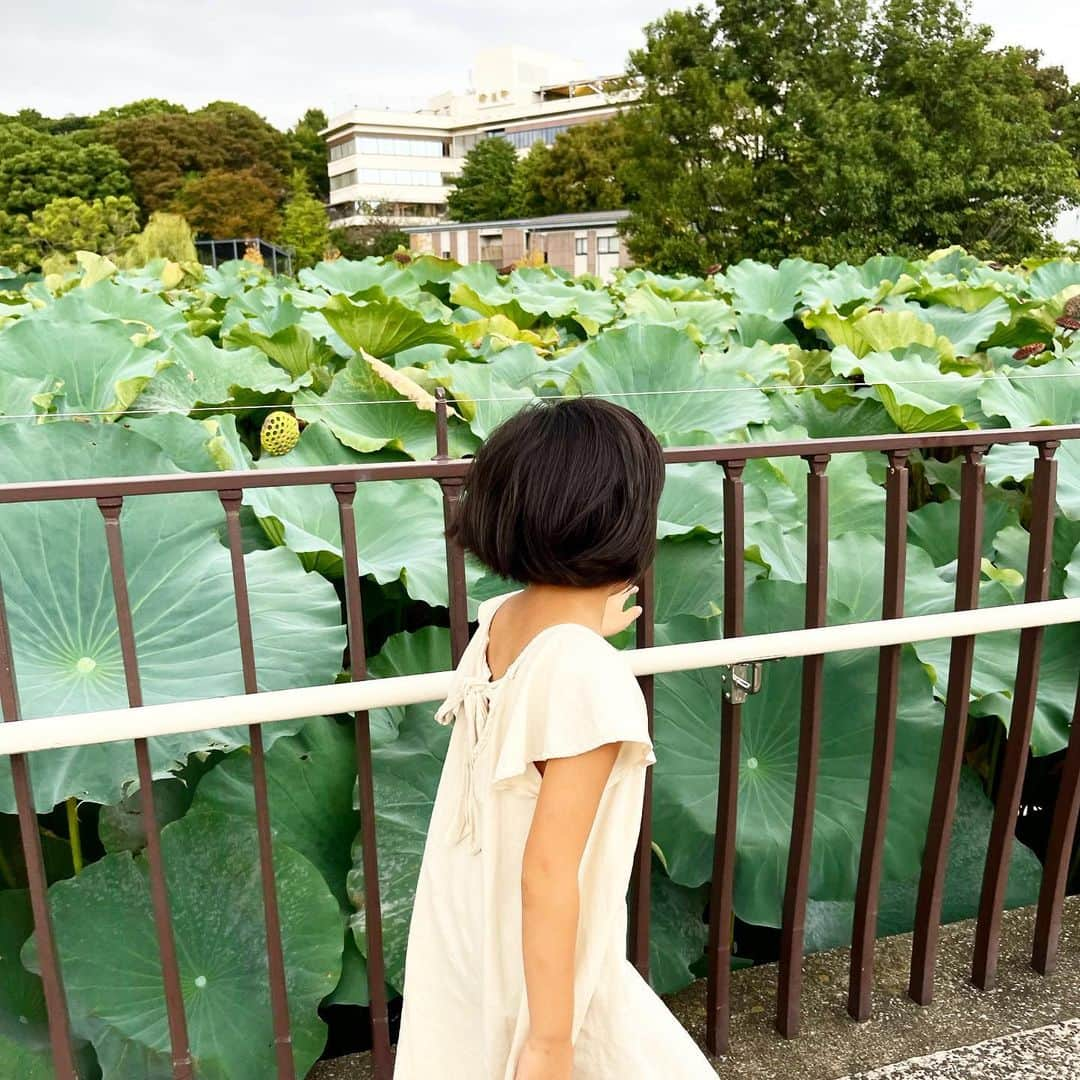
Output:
x=307 y=149
x=36 y=167
x=16 y=250
x=578 y=173
x=166 y=150
x=304 y=225
x=166 y=236
x=818 y=128
x=484 y=190
x=103 y=226
x=224 y=205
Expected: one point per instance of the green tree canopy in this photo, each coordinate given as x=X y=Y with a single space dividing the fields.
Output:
x=307 y=149
x=304 y=226
x=579 y=172
x=103 y=226
x=485 y=189
x=36 y=167
x=823 y=129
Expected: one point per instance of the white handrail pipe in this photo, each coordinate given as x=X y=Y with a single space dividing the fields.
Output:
x=114 y=725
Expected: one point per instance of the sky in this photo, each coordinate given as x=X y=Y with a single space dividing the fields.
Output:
x=280 y=57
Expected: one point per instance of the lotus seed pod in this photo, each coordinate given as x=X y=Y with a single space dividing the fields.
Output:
x=280 y=433
x=1072 y=307
x=1028 y=351
x=1068 y=323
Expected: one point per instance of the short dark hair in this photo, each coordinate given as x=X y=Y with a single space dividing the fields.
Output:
x=564 y=493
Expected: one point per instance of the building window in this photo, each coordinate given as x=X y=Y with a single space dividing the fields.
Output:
x=401 y=177
x=522 y=140
x=396 y=146
x=342 y=180
x=607 y=245
x=581 y=245
x=342 y=150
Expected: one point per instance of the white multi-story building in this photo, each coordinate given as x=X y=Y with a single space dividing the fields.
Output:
x=400 y=166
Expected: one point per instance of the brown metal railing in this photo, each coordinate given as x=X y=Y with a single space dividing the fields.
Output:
x=344 y=482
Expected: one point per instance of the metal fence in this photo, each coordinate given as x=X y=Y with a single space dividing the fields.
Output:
x=20 y=738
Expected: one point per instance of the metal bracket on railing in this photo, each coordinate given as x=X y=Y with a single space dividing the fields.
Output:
x=740 y=681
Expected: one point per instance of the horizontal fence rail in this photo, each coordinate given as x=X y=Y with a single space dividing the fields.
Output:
x=20 y=737
x=270 y=706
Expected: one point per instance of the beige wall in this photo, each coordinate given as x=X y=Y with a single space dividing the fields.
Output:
x=464 y=246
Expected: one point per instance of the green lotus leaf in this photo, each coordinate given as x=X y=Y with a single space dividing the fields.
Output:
x=310 y=778
x=357 y=278
x=406 y=772
x=65 y=642
x=122 y=826
x=196 y=372
x=24 y=1033
x=487 y=394
x=845 y=285
x=994 y=673
x=194 y=445
x=689 y=578
x=706 y=321
x=682 y=396
x=88 y=369
x=757 y=289
x=305 y=519
x=1072 y=575
x=383 y=329
x=478 y=288
x=140 y=312
x=1049 y=395
x=1054 y=277
x=540 y=292
x=677 y=932
x=829 y=923
x=916 y=394
x=968 y=328
x=292 y=348
x=105 y=934
x=368 y=414
x=877 y=331
x=935 y=527
x=670 y=286
x=687 y=735
x=692 y=500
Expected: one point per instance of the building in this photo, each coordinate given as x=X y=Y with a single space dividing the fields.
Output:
x=400 y=166
x=579 y=243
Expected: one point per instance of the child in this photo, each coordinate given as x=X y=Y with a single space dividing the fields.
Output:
x=516 y=965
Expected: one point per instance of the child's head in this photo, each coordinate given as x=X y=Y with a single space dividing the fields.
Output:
x=564 y=494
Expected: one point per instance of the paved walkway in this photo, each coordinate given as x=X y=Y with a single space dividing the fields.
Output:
x=1047 y=1053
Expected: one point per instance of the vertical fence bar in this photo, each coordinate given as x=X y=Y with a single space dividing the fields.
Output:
x=1058 y=854
x=110 y=507
x=354 y=617
x=63 y=1058
x=455 y=557
x=275 y=960
x=641 y=879
x=718 y=987
x=951 y=755
x=861 y=982
x=1017 y=747
x=792 y=933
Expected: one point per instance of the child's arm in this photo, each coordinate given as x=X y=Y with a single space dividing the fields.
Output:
x=566 y=806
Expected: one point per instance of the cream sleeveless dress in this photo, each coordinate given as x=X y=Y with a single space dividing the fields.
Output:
x=465 y=1013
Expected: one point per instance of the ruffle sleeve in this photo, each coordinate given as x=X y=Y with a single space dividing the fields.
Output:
x=575 y=692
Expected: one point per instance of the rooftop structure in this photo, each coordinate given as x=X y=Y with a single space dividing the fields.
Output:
x=401 y=166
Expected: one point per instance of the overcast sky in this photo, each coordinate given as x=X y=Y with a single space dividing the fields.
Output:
x=280 y=57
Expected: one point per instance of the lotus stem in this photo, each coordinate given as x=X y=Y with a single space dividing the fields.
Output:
x=6 y=872
x=74 y=835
